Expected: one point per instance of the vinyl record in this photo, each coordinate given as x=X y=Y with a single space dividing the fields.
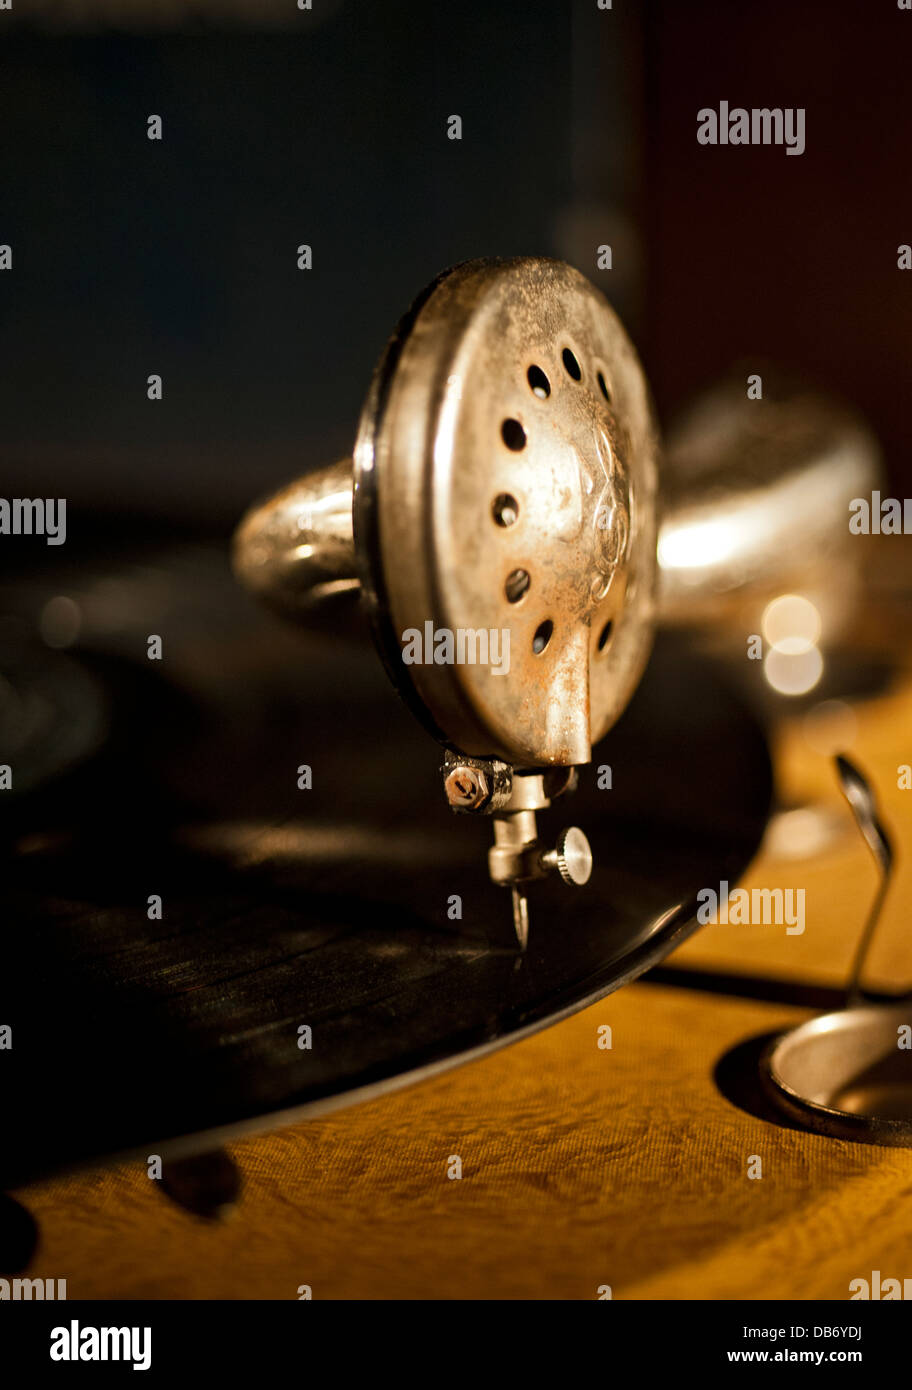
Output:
x=334 y=908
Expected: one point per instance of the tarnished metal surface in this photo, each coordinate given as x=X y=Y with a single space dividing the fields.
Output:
x=502 y=520
x=505 y=483
x=756 y=501
x=512 y=435
x=295 y=550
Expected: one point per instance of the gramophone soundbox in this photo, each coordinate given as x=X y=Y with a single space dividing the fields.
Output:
x=233 y=895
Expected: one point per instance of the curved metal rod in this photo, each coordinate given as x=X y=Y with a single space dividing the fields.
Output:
x=859 y=794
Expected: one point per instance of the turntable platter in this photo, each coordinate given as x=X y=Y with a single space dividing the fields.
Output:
x=314 y=946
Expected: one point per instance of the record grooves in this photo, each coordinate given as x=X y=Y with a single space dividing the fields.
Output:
x=325 y=909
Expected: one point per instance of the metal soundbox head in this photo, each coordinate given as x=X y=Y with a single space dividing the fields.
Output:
x=505 y=483
x=501 y=520
x=499 y=523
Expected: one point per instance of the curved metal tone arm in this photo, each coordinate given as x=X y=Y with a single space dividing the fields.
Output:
x=755 y=500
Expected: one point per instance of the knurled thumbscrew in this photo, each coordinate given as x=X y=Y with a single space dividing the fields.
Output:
x=572 y=857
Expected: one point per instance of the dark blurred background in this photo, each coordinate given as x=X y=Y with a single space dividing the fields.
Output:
x=329 y=127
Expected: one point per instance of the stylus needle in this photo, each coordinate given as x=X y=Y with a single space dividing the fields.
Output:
x=521 y=918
